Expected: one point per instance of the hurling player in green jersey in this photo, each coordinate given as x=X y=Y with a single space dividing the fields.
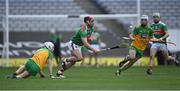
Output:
x=160 y=34
x=80 y=39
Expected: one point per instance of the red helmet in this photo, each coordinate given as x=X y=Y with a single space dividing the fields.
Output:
x=87 y=18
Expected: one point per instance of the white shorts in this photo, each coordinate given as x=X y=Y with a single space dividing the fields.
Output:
x=159 y=46
x=94 y=46
x=73 y=46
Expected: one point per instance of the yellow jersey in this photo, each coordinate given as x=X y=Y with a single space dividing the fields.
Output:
x=41 y=56
x=142 y=37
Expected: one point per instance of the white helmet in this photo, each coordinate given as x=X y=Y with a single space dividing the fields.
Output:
x=49 y=45
x=144 y=17
x=156 y=14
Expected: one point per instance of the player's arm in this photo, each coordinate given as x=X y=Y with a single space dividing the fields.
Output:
x=50 y=67
x=151 y=35
x=166 y=33
x=131 y=36
x=165 y=36
x=87 y=45
x=42 y=74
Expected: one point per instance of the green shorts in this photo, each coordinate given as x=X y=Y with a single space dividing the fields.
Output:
x=32 y=67
x=139 y=53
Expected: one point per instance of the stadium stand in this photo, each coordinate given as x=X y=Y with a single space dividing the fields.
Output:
x=40 y=7
x=44 y=7
x=167 y=8
x=45 y=24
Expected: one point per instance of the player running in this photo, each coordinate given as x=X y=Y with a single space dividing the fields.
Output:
x=36 y=64
x=81 y=38
x=160 y=33
x=140 y=38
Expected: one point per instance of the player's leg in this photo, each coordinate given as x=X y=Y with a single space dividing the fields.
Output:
x=82 y=62
x=96 y=60
x=124 y=61
x=135 y=55
x=31 y=68
x=167 y=56
x=65 y=65
x=76 y=56
x=97 y=47
x=69 y=62
x=125 y=66
x=91 y=55
x=90 y=59
x=153 y=51
x=20 y=70
x=25 y=74
x=76 y=53
x=127 y=62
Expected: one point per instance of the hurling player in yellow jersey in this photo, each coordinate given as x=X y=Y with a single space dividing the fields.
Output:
x=37 y=63
x=140 y=38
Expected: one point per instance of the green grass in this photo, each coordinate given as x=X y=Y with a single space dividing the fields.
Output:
x=78 y=78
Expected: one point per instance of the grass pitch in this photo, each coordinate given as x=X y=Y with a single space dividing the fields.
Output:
x=103 y=78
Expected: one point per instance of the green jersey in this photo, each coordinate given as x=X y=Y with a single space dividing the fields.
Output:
x=55 y=37
x=159 y=29
x=94 y=38
x=81 y=33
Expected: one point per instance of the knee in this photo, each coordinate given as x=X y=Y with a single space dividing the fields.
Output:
x=151 y=56
x=132 y=57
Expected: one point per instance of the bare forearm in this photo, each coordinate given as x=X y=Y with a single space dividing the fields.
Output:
x=131 y=37
x=88 y=47
x=42 y=74
x=165 y=36
x=86 y=44
x=50 y=68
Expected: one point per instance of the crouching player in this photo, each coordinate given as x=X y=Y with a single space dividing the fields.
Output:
x=36 y=64
x=140 y=38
